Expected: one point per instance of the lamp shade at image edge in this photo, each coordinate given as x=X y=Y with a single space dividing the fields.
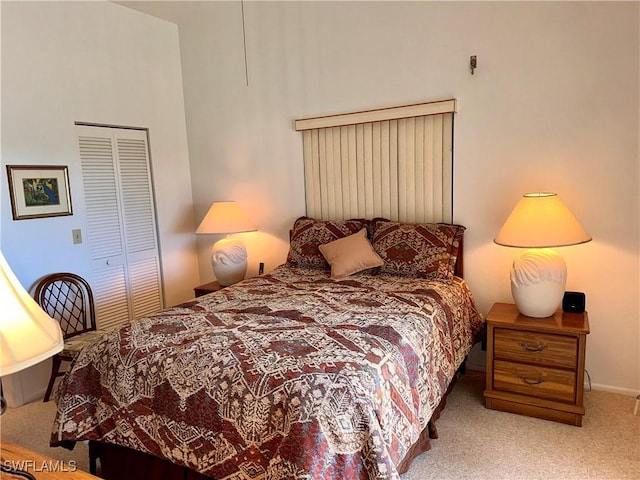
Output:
x=27 y=334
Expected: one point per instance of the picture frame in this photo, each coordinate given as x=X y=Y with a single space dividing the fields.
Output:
x=39 y=191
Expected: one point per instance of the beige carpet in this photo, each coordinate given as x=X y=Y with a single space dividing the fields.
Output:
x=474 y=443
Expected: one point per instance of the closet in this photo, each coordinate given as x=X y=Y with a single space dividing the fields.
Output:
x=120 y=224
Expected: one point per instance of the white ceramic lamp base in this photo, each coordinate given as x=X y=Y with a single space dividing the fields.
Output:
x=538 y=280
x=229 y=261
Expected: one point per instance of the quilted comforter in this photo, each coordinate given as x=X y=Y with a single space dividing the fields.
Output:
x=287 y=375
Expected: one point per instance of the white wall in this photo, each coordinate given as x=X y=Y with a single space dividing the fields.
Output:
x=94 y=62
x=553 y=106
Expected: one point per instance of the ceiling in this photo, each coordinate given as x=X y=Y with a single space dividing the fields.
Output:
x=175 y=11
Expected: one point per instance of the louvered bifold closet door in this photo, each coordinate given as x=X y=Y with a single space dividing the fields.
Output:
x=139 y=222
x=121 y=229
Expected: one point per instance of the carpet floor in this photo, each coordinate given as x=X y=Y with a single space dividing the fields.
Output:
x=474 y=443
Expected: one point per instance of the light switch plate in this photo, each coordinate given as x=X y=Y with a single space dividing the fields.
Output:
x=77 y=235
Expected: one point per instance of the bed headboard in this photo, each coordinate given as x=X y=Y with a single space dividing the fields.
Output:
x=395 y=163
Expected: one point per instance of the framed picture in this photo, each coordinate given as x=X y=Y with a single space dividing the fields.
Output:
x=39 y=191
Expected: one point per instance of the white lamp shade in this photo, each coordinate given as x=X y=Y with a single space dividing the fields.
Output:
x=541 y=220
x=27 y=334
x=225 y=217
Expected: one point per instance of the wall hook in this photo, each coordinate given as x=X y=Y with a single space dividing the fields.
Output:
x=473 y=63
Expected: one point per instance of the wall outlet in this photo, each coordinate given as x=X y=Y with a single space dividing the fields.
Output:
x=77 y=235
x=261 y=268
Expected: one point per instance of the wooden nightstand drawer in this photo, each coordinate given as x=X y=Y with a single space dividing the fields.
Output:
x=535 y=347
x=534 y=381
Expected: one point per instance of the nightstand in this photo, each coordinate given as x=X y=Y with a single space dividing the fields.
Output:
x=535 y=366
x=207 y=288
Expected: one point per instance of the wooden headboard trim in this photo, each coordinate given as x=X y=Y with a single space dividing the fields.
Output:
x=458 y=269
x=378 y=115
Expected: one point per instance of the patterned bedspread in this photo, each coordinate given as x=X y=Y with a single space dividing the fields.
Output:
x=285 y=376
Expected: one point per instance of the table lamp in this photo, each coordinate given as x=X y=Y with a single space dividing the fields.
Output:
x=228 y=255
x=538 y=222
x=27 y=334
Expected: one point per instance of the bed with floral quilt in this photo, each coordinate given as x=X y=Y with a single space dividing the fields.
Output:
x=330 y=367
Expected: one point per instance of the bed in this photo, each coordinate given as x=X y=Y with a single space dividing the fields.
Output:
x=321 y=369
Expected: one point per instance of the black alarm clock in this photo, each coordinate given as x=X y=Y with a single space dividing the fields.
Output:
x=573 y=302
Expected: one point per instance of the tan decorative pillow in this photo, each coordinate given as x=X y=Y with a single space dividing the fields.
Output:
x=350 y=255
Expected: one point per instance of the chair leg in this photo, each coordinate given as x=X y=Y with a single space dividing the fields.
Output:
x=94 y=454
x=55 y=367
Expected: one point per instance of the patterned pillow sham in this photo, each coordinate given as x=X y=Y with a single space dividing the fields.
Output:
x=308 y=234
x=424 y=250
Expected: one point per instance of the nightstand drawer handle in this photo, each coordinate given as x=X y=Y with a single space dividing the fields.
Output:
x=532 y=348
x=531 y=381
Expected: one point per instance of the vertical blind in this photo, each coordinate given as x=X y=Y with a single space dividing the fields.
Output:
x=395 y=163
